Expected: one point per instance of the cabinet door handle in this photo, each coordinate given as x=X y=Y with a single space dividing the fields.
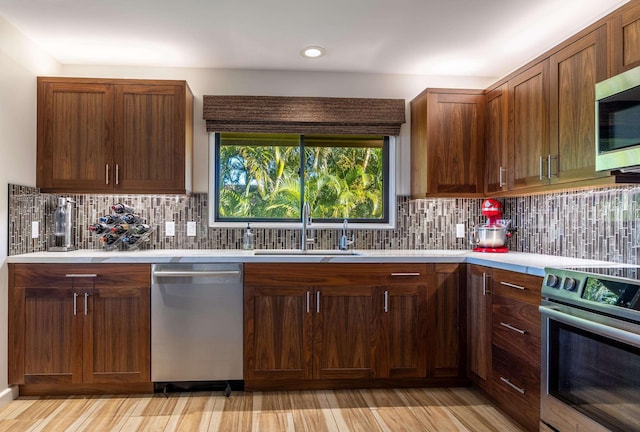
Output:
x=86 y=297
x=404 y=274
x=515 y=329
x=485 y=291
x=510 y=285
x=540 y=168
x=106 y=174
x=81 y=275
x=75 y=303
x=308 y=300
x=501 y=182
x=117 y=174
x=549 y=166
x=386 y=301
x=513 y=386
x=317 y=301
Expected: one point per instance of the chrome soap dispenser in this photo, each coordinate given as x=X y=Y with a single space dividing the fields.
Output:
x=62 y=224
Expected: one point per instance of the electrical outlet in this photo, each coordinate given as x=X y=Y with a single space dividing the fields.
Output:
x=191 y=229
x=170 y=228
x=460 y=230
x=35 y=229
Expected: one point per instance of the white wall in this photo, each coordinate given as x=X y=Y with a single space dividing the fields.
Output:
x=286 y=83
x=20 y=63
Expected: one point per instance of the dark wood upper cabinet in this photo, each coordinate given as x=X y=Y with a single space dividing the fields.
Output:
x=75 y=135
x=120 y=136
x=498 y=166
x=447 y=143
x=625 y=35
x=574 y=71
x=529 y=125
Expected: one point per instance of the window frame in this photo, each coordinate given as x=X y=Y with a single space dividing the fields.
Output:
x=389 y=151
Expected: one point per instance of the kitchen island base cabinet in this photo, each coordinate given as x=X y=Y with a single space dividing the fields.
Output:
x=312 y=326
x=79 y=328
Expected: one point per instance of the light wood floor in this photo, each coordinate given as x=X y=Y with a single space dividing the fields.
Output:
x=411 y=410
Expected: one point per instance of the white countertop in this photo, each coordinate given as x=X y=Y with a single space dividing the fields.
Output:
x=514 y=261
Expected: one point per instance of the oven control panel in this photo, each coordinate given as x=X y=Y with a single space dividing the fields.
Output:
x=614 y=290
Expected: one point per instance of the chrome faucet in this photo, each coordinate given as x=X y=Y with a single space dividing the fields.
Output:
x=306 y=221
x=345 y=242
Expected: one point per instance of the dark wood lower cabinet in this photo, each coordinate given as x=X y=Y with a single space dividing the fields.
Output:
x=351 y=325
x=79 y=328
x=504 y=347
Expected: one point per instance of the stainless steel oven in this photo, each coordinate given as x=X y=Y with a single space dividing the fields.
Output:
x=591 y=349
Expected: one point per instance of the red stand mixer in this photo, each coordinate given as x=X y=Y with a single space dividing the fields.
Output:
x=492 y=236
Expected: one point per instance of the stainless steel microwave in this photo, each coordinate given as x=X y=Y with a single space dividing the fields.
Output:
x=618 y=122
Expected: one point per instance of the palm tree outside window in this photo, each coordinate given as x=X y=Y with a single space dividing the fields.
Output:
x=263 y=177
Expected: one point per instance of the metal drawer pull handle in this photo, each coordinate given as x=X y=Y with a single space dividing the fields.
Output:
x=86 y=296
x=317 y=301
x=513 y=285
x=81 y=275
x=106 y=174
x=75 y=303
x=515 y=329
x=513 y=386
x=404 y=274
x=485 y=291
x=308 y=300
x=117 y=174
x=386 y=301
x=195 y=273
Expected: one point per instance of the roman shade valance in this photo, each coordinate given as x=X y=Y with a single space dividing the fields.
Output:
x=301 y=115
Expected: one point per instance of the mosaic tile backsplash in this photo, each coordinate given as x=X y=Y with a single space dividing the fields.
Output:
x=598 y=224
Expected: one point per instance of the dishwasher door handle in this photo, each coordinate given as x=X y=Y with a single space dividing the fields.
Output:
x=195 y=273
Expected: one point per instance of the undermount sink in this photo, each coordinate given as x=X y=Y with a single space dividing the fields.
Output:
x=306 y=252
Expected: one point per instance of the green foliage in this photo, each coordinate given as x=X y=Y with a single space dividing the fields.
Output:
x=260 y=179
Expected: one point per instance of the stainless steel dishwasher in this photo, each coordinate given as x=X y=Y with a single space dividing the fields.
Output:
x=196 y=324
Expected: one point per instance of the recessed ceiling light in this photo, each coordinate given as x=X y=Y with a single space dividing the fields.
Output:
x=313 y=52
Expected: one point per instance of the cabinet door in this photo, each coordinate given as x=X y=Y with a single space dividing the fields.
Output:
x=149 y=150
x=574 y=72
x=278 y=328
x=446 y=325
x=496 y=149
x=402 y=346
x=52 y=336
x=117 y=335
x=479 y=324
x=75 y=147
x=529 y=122
x=455 y=143
x=343 y=332
x=626 y=38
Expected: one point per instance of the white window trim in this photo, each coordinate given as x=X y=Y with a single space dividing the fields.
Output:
x=298 y=225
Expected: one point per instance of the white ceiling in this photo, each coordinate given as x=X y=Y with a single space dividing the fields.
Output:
x=483 y=38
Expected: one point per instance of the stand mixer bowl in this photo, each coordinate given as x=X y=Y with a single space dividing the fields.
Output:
x=489 y=236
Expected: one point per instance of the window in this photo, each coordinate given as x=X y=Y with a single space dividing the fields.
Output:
x=261 y=177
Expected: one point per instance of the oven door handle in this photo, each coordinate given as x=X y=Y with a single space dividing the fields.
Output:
x=591 y=326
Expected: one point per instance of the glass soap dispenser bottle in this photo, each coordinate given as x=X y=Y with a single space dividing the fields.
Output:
x=248 y=239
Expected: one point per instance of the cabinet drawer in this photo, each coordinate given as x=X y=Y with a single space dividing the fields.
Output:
x=97 y=275
x=519 y=286
x=516 y=387
x=516 y=328
x=399 y=274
